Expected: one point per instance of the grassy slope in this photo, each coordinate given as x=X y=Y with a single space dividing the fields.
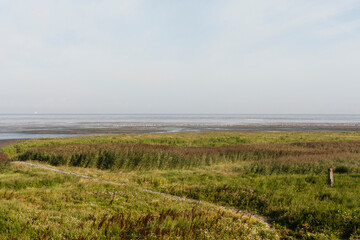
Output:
x=290 y=188
x=38 y=204
x=301 y=205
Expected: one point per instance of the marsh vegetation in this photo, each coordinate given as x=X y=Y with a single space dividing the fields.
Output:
x=278 y=175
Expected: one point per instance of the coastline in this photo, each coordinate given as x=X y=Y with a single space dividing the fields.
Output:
x=74 y=132
x=199 y=128
x=64 y=125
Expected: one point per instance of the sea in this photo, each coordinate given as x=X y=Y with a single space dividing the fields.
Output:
x=28 y=126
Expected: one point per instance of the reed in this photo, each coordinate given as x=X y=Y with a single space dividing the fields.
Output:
x=262 y=158
x=203 y=139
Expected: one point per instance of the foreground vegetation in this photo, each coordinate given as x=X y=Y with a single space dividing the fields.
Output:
x=38 y=204
x=279 y=175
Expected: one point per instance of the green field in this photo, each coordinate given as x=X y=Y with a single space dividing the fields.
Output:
x=280 y=175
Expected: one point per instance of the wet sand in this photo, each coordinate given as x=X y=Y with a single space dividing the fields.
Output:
x=213 y=128
x=299 y=128
x=66 y=125
x=90 y=131
x=70 y=131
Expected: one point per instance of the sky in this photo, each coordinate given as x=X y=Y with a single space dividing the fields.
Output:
x=161 y=56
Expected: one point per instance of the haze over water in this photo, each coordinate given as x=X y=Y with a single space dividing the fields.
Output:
x=23 y=126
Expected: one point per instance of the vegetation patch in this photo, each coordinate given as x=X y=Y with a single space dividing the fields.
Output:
x=48 y=205
x=4 y=162
x=279 y=175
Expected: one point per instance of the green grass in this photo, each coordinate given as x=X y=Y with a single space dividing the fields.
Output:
x=259 y=158
x=192 y=139
x=302 y=203
x=301 y=206
x=38 y=204
x=281 y=175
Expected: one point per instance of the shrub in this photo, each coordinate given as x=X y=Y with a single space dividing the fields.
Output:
x=4 y=162
x=342 y=169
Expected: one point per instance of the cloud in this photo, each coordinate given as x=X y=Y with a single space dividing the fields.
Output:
x=160 y=56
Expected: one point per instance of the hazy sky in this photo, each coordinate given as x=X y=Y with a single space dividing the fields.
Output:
x=162 y=56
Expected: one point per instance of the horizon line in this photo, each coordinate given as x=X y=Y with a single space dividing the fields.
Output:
x=38 y=113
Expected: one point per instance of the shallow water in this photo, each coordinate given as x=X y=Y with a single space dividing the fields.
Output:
x=21 y=126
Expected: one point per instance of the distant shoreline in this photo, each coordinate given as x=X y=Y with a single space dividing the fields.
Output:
x=194 y=128
x=49 y=126
x=73 y=132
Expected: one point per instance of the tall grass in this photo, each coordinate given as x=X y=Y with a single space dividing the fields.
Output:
x=37 y=204
x=262 y=158
x=288 y=209
x=203 y=139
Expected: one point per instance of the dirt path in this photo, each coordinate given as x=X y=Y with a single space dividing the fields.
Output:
x=242 y=213
x=69 y=173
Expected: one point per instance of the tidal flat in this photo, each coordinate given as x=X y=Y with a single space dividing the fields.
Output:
x=281 y=176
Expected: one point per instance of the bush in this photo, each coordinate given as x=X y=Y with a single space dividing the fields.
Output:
x=342 y=169
x=4 y=162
